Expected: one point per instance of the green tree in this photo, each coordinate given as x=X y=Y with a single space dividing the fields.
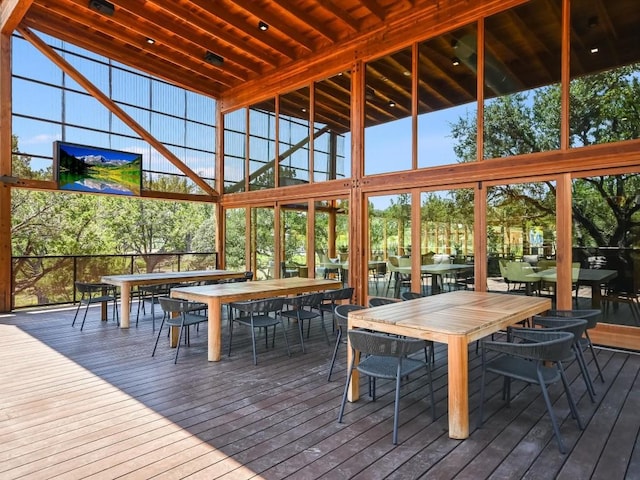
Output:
x=603 y=109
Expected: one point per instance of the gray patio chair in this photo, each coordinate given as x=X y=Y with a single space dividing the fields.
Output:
x=386 y=357
x=536 y=360
x=410 y=295
x=577 y=327
x=150 y=293
x=378 y=301
x=92 y=293
x=305 y=307
x=332 y=298
x=591 y=316
x=341 y=314
x=263 y=314
x=182 y=314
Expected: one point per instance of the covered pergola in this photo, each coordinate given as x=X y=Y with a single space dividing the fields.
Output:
x=243 y=53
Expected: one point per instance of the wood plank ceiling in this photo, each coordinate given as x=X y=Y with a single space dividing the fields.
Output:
x=173 y=40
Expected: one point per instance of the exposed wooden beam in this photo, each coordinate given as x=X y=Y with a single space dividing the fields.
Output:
x=95 y=43
x=113 y=107
x=336 y=9
x=203 y=24
x=301 y=16
x=11 y=14
x=249 y=31
x=274 y=21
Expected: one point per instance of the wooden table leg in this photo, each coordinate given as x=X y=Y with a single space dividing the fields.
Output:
x=353 y=393
x=125 y=297
x=458 y=352
x=214 y=329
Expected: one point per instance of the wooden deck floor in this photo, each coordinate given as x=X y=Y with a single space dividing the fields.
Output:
x=94 y=404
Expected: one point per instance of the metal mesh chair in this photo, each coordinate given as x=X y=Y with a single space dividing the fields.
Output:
x=150 y=293
x=341 y=315
x=305 y=307
x=410 y=295
x=179 y=313
x=529 y=361
x=577 y=327
x=378 y=301
x=91 y=293
x=591 y=316
x=331 y=299
x=387 y=357
x=259 y=314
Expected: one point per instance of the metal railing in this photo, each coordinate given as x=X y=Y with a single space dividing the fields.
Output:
x=49 y=280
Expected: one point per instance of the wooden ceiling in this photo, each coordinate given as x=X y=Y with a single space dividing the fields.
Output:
x=523 y=45
x=183 y=31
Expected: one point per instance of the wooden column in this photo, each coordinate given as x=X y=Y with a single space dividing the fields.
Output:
x=563 y=236
x=5 y=171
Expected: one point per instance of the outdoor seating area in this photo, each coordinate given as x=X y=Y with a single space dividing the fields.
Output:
x=141 y=416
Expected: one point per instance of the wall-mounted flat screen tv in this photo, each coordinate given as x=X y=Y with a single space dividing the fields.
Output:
x=81 y=168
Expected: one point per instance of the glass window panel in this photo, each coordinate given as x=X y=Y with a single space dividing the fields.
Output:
x=294 y=240
x=262 y=152
x=605 y=68
x=606 y=238
x=446 y=98
x=200 y=108
x=388 y=130
x=521 y=237
x=36 y=137
x=168 y=129
x=84 y=110
x=36 y=100
x=294 y=137
x=130 y=88
x=235 y=238
x=522 y=80
x=263 y=243
x=200 y=136
x=390 y=236
x=167 y=98
x=332 y=238
x=332 y=128
x=446 y=237
x=37 y=68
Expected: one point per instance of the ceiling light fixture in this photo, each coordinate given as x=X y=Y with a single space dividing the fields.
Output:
x=102 y=6
x=213 y=59
x=392 y=103
x=455 y=61
x=150 y=41
x=263 y=26
x=594 y=49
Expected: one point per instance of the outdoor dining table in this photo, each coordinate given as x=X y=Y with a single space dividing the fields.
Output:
x=217 y=295
x=127 y=281
x=436 y=270
x=594 y=277
x=455 y=318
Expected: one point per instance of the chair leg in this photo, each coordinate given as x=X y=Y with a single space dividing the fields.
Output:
x=554 y=422
x=76 y=315
x=284 y=334
x=158 y=337
x=230 y=333
x=585 y=373
x=335 y=353
x=570 y=400
x=593 y=354
x=253 y=343
x=396 y=407
x=175 y=360
x=346 y=389
x=301 y=331
x=86 y=310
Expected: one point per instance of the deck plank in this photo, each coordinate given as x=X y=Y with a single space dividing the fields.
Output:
x=95 y=404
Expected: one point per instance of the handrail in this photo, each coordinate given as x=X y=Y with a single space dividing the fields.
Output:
x=43 y=280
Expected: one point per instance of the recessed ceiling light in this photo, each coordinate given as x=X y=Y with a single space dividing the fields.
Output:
x=594 y=49
x=392 y=103
x=406 y=73
x=455 y=61
x=263 y=26
x=150 y=41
